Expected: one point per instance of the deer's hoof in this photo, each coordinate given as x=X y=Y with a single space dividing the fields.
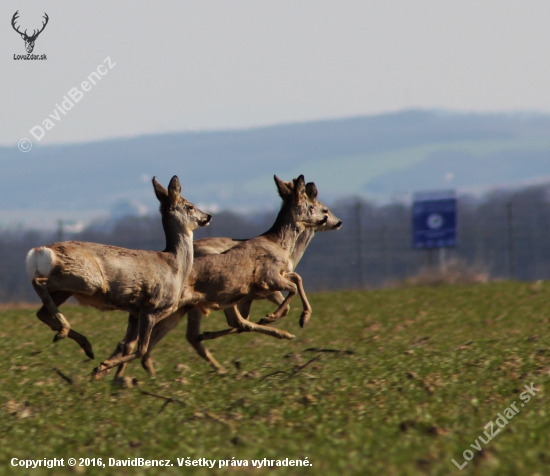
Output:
x=303 y=320
x=149 y=368
x=126 y=382
x=87 y=348
x=98 y=375
x=100 y=368
x=61 y=335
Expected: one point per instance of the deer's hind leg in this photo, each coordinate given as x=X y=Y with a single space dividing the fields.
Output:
x=239 y=324
x=194 y=337
x=49 y=318
x=232 y=320
x=58 y=322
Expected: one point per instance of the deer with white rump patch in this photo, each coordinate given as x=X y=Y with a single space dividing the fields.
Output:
x=253 y=269
x=147 y=284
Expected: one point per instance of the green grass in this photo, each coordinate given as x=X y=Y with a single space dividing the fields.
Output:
x=428 y=368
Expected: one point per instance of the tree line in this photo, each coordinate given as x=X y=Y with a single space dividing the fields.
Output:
x=506 y=233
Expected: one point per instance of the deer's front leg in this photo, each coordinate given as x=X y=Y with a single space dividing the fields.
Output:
x=125 y=346
x=244 y=309
x=275 y=298
x=146 y=324
x=281 y=283
x=306 y=313
x=159 y=332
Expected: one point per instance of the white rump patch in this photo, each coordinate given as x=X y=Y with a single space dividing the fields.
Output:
x=40 y=261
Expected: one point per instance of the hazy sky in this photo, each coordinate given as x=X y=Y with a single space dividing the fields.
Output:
x=190 y=65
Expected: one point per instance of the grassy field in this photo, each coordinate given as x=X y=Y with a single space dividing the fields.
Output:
x=388 y=382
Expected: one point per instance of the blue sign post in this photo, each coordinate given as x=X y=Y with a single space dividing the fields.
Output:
x=434 y=219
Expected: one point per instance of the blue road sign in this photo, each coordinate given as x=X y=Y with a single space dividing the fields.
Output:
x=434 y=219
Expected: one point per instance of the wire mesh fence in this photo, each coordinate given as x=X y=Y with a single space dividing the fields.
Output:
x=506 y=235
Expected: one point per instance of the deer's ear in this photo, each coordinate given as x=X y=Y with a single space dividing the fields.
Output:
x=299 y=189
x=174 y=189
x=311 y=191
x=282 y=188
x=160 y=191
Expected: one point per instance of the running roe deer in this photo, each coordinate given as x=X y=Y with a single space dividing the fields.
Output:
x=252 y=269
x=206 y=246
x=146 y=283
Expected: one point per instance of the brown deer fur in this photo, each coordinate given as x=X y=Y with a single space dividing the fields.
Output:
x=243 y=272
x=147 y=284
x=194 y=316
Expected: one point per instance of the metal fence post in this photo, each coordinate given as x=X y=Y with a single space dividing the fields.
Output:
x=59 y=230
x=359 y=244
x=511 y=256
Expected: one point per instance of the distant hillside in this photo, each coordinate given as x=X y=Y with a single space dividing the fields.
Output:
x=375 y=156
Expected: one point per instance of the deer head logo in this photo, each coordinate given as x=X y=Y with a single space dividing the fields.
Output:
x=29 y=40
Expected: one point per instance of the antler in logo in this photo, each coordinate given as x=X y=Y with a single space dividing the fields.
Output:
x=29 y=40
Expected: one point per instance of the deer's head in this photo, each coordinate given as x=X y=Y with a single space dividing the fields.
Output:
x=176 y=209
x=302 y=199
x=333 y=222
x=29 y=39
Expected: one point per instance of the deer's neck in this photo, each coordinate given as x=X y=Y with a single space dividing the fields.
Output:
x=285 y=230
x=179 y=243
x=285 y=235
x=301 y=244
